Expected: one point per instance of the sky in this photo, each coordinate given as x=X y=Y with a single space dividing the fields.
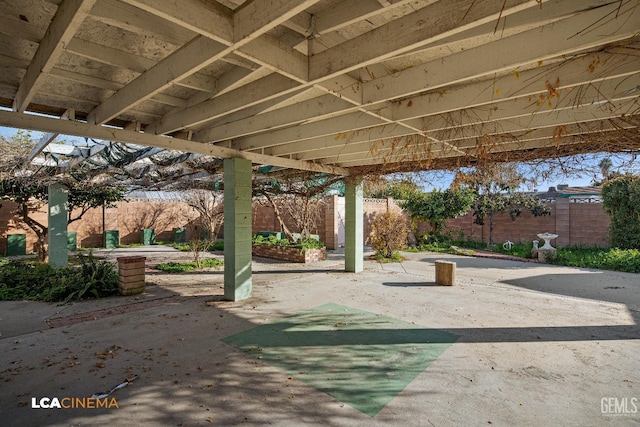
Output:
x=442 y=179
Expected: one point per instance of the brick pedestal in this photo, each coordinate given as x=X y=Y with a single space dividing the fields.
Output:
x=131 y=275
x=546 y=255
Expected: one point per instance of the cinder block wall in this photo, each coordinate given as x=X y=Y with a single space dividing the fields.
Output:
x=589 y=224
x=127 y=217
x=10 y=224
x=575 y=223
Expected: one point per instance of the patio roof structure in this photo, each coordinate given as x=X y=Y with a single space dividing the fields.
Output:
x=328 y=85
x=343 y=87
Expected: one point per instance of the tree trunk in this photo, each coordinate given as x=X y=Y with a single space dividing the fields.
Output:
x=283 y=226
x=41 y=231
x=491 y=229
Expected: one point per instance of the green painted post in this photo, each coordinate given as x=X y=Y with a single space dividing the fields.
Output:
x=354 y=227
x=58 y=214
x=237 y=229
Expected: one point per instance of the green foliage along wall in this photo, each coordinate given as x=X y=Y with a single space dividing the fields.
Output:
x=438 y=206
x=621 y=198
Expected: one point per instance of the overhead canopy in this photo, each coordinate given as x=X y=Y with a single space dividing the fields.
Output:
x=333 y=86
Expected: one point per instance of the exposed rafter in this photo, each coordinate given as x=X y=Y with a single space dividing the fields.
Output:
x=112 y=134
x=323 y=85
x=66 y=21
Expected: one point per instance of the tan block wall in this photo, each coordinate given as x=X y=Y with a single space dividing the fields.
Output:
x=127 y=217
x=11 y=224
x=575 y=223
x=331 y=223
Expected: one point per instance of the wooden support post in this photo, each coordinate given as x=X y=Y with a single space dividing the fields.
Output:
x=445 y=273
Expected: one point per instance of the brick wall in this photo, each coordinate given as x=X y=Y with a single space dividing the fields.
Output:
x=589 y=224
x=574 y=223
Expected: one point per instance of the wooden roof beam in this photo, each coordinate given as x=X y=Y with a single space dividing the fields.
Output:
x=66 y=21
x=34 y=122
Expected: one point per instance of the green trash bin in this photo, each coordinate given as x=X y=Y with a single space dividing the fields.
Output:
x=72 y=241
x=179 y=234
x=16 y=244
x=148 y=236
x=111 y=239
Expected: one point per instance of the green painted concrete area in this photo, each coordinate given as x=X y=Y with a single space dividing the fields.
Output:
x=360 y=358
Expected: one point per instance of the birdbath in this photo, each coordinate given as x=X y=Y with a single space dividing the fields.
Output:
x=547 y=252
x=547 y=237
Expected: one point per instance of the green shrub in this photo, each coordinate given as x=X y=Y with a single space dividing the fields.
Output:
x=388 y=233
x=621 y=200
x=625 y=260
x=522 y=250
x=273 y=240
x=28 y=280
x=218 y=245
x=395 y=257
x=183 y=247
x=181 y=267
x=310 y=244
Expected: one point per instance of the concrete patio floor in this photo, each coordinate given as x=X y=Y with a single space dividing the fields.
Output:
x=536 y=345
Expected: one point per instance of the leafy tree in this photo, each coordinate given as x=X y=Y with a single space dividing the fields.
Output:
x=400 y=189
x=437 y=206
x=497 y=188
x=605 y=166
x=27 y=186
x=31 y=197
x=621 y=199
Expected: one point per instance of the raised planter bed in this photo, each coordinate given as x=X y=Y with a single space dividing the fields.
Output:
x=285 y=253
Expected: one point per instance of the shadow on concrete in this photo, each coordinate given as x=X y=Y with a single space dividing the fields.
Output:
x=474 y=262
x=201 y=272
x=186 y=374
x=546 y=334
x=593 y=286
x=315 y=270
x=283 y=334
x=409 y=284
x=596 y=285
